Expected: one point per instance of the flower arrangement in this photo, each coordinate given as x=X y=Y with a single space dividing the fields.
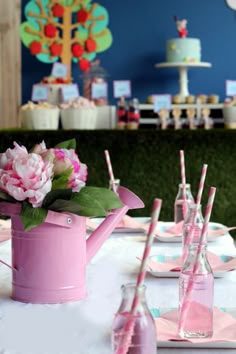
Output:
x=50 y=179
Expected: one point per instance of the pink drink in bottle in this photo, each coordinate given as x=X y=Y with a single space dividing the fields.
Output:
x=143 y=335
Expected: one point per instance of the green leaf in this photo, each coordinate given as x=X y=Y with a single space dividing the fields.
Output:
x=104 y=41
x=68 y=144
x=32 y=217
x=91 y=209
x=55 y=194
x=26 y=37
x=61 y=181
x=107 y=198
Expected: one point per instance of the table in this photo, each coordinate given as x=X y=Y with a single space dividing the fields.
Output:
x=84 y=327
x=183 y=73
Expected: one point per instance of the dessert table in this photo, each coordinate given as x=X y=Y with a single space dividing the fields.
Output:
x=85 y=327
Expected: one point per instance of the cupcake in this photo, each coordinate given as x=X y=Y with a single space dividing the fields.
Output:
x=176 y=99
x=213 y=99
x=202 y=99
x=190 y=99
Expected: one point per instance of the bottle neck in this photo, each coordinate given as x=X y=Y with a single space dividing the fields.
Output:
x=128 y=293
x=197 y=253
x=194 y=214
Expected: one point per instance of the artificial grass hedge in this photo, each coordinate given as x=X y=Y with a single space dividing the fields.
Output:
x=147 y=162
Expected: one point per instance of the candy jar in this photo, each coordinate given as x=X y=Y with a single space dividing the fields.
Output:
x=196 y=291
x=96 y=74
x=142 y=333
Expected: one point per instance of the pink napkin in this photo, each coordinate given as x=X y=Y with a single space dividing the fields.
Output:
x=216 y=263
x=5 y=230
x=173 y=231
x=224 y=328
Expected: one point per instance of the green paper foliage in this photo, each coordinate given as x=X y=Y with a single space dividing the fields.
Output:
x=101 y=34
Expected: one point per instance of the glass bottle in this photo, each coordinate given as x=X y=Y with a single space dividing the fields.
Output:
x=196 y=291
x=133 y=114
x=181 y=206
x=192 y=228
x=121 y=112
x=116 y=184
x=143 y=334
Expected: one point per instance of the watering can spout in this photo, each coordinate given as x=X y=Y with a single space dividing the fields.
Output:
x=95 y=241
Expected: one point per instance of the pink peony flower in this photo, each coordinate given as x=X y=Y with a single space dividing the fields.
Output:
x=25 y=176
x=64 y=159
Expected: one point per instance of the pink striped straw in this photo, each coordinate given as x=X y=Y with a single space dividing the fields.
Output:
x=207 y=216
x=110 y=170
x=183 y=180
x=201 y=185
x=129 y=325
x=198 y=201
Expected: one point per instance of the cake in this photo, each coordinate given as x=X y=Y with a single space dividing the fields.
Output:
x=183 y=49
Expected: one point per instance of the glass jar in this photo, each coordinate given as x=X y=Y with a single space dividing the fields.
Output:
x=192 y=228
x=182 y=203
x=196 y=292
x=115 y=183
x=143 y=330
x=96 y=74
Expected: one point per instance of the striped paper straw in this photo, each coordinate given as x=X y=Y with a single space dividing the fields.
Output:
x=198 y=202
x=183 y=181
x=123 y=347
x=110 y=170
x=190 y=283
x=201 y=185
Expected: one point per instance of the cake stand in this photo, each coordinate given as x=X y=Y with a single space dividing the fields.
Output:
x=183 y=73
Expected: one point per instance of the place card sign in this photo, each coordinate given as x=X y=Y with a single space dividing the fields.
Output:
x=122 y=88
x=59 y=70
x=99 y=90
x=69 y=92
x=39 y=93
x=161 y=101
x=230 y=88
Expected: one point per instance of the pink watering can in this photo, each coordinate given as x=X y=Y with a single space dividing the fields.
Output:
x=49 y=261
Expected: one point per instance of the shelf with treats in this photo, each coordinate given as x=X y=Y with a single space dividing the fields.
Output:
x=148 y=116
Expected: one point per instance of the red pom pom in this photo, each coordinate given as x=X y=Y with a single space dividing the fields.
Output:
x=50 y=30
x=82 y=16
x=84 y=64
x=77 y=50
x=90 y=45
x=56 y=49
x=58 y=10
x=35 y=47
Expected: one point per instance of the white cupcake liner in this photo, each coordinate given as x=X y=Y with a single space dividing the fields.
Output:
x=43 y=119
x=79 y=118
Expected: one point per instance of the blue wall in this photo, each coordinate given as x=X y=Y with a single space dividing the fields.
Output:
x=140 y=30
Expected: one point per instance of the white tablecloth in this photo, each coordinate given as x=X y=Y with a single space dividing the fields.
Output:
x=85 y=327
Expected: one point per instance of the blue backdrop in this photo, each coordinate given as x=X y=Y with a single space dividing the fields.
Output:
x=140 y=30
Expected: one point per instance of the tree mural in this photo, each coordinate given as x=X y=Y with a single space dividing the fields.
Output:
x=66 y=30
